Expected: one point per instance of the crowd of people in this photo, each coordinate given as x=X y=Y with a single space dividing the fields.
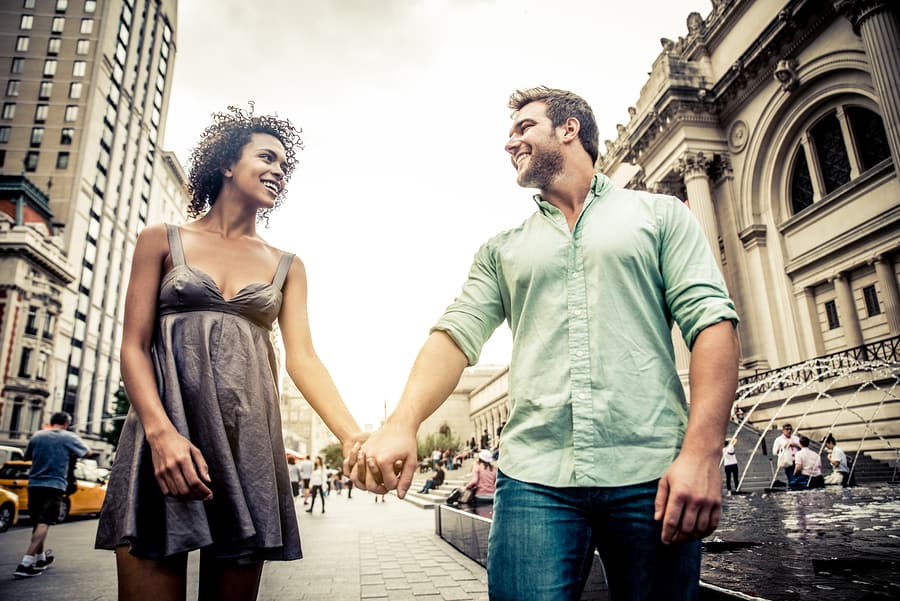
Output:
x=800 y=465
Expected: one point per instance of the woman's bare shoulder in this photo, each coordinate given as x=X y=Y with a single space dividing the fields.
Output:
x=154 y=239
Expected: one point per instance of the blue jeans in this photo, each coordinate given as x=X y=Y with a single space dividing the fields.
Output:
x=543 y=538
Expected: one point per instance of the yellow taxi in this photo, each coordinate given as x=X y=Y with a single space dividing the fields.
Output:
x=9 y=509
x=88 y=499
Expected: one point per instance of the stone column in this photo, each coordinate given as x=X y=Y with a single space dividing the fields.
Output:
x=814 y=344
x=888 y=283
x=846 y=307
x=876 y=22
x=693 y=166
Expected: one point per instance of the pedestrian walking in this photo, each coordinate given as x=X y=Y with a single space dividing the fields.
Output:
x=729 y=460
x=599 y=449
x=50 y=452
x=317 y=483
x=201 y=460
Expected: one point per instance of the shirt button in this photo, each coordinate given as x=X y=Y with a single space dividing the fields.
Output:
x=579 y=353
x=577 y=312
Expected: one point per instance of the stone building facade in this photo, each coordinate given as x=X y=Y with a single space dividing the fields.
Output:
x=33 y=274
x=86 y=89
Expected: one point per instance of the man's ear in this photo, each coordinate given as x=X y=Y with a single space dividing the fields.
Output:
x=570 y=129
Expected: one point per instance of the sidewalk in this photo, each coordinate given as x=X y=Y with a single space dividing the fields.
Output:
x=357 y=550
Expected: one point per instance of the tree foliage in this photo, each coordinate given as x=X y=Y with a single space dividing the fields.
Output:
x=333 y=455
x=116 y=419
x=443 y=439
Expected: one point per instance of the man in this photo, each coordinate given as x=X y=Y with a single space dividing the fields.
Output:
x=49 y=451
x=729 y=460
x=807 y=468
x=306 y=470
x=838 y=460
x=785 y=449
x=595 y=452
x=436 y=480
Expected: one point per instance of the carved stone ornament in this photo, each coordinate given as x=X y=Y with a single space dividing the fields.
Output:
x=738 y=134
x=695 y=23
x=786 y=74
x=858 y=11
x=692 y=163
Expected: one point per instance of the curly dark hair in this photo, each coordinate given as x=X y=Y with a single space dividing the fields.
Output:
x=220 y=147
x=562 y=104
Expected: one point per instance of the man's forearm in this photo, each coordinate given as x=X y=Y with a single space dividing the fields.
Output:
x=713 y=381
x=431 y=381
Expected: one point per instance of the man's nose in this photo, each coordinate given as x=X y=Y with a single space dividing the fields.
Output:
x=512 y=145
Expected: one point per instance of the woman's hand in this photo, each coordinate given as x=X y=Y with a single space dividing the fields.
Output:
x=179 y=466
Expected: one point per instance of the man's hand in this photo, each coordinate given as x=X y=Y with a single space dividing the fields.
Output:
x=386 y=461
x=689 y=498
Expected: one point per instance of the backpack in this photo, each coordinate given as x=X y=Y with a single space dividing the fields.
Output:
x=453 y=497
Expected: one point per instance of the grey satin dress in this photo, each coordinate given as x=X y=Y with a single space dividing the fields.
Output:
x=216 y=373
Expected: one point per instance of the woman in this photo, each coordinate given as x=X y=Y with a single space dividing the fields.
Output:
x=201 y=462
x=484 y=477
x=317 y=482
x=294 y=473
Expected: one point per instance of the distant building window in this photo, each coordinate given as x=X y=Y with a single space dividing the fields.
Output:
x=26 y=22
x=40 y=369
x=48 y=326
x=9 y=110
x=28 y=4
x=71 y=113
x=58 y=25
x=872 y=305
x=31 y=321
x=62 y=160
x=832 y=152
x=22 y=43
x=90 y=6
x=17 y=65
x=37 y=136
x=31 y=161
x=24 y=362
x=45 y=90
x=82 y=47
x=78 y=68
x=4 y=134
x=50 y=67
x=832 y=315
x=12 y=87
x=2 y=157
x=40 y=112
x=87 y=25
x=54 y=45
x=66 y=135
x=62 y=5
x=75 y=89
x=834 y=155
x=871 y=139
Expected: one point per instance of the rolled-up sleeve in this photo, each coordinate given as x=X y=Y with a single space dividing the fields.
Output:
x=695 y=291
x=478 y=310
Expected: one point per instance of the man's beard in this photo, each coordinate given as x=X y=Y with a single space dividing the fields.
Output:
x=543 y=167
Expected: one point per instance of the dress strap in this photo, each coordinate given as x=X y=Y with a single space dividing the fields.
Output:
x=284 y=265
x=175 y=248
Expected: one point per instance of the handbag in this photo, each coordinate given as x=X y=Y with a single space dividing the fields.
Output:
x=467 y=497
x=453 y=497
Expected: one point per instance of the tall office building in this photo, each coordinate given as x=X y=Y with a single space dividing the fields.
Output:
x=86 y=86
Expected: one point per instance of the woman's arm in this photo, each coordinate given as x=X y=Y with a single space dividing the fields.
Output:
x=304 y=366
x=176 y=462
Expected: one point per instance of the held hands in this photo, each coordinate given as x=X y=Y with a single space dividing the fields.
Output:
x=179 y=466
x=386 y=461
x=689 y=498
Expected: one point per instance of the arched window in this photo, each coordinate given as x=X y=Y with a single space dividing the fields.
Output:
x=871 y=139
x=836 y=148
x=801 y=183
x=832 y=152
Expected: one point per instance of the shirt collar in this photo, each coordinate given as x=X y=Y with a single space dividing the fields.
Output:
x=599 y=185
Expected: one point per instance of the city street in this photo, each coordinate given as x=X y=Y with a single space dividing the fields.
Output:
x=358 y=549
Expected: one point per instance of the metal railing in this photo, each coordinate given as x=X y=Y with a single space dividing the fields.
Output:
x=885 y=351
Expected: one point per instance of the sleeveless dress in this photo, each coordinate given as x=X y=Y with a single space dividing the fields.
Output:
x=216 y=373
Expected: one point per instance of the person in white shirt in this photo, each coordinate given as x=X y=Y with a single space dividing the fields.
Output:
x=807 y=468
x=729 y=460
x=790 y=444
x=317 y=484
x=306 y=470
x=838 y=460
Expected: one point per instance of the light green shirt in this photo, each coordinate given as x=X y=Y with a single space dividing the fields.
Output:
x=594 y=394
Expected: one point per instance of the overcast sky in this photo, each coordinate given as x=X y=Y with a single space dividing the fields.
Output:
x=403 y=110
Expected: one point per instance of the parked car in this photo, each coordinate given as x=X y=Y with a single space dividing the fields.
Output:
x=9 y=509
x=87 y=500
x=10 y=454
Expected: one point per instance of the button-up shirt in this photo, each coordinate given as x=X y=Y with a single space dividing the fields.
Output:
x=594 y=394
